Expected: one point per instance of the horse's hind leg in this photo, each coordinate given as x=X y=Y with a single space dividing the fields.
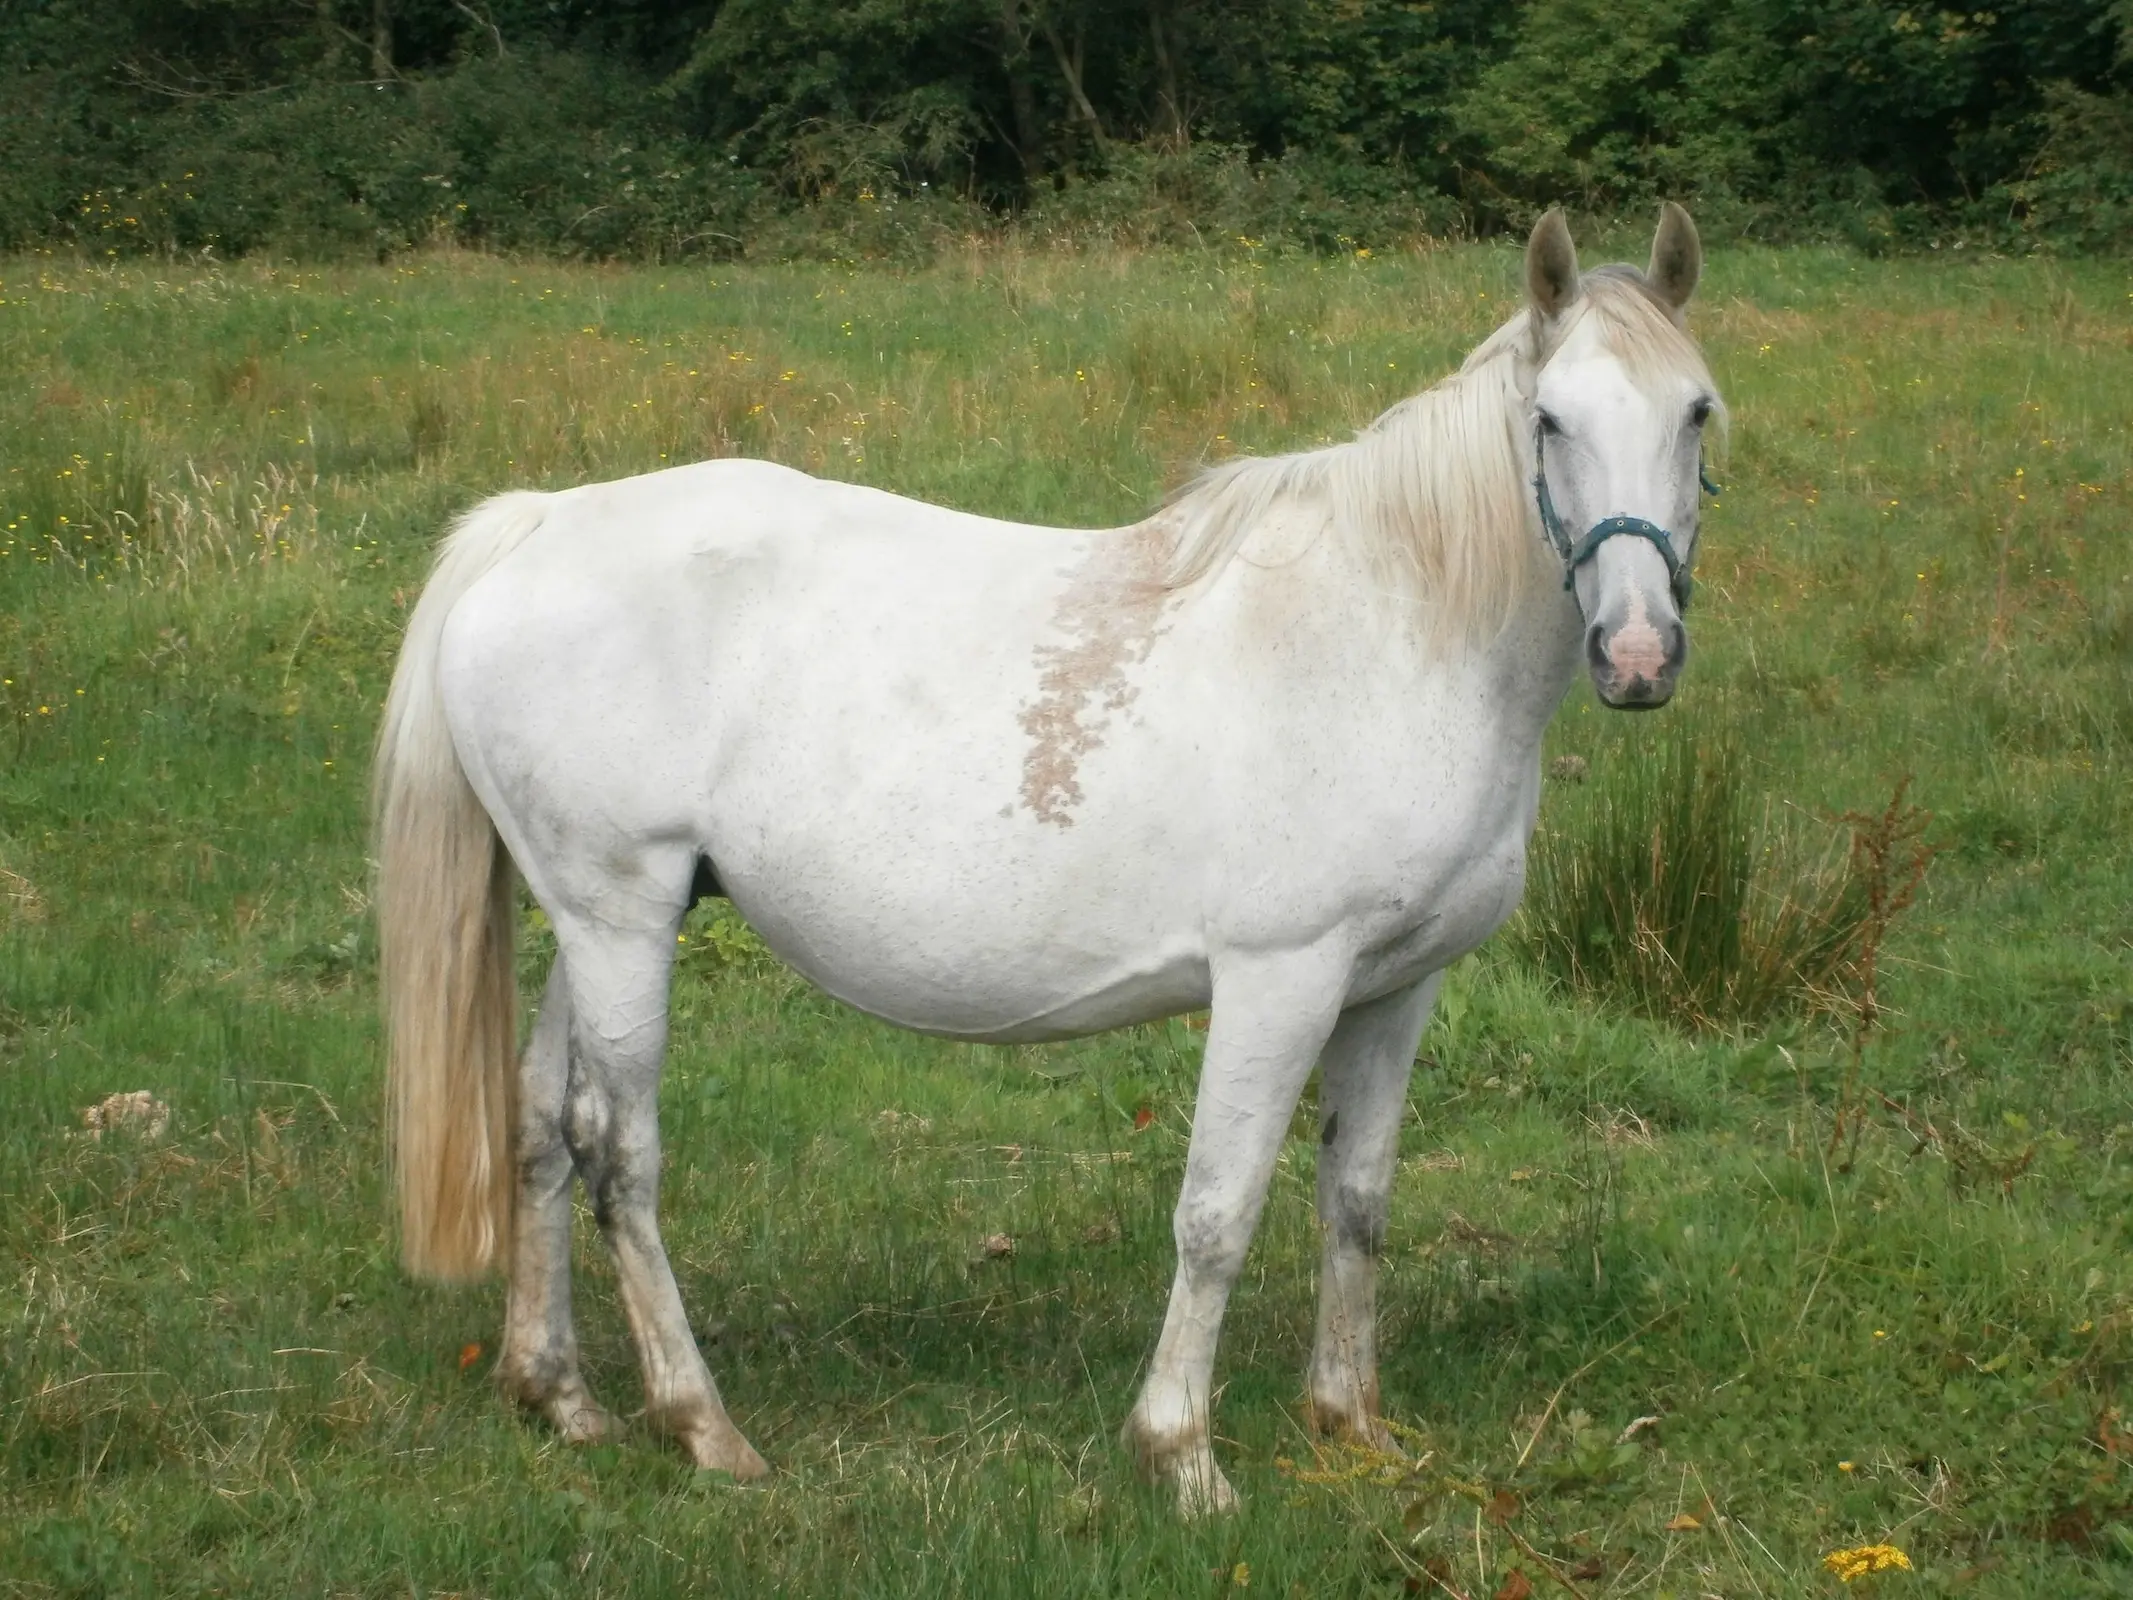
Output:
x=539 y=1366
x=1362 y=1097
x=618 y=1004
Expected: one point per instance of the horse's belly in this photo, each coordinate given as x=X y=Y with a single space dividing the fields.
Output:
x=1012 y=995
x=968 y=917
x=975 y=927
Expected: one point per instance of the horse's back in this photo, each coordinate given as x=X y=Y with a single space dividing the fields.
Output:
x=739 y=503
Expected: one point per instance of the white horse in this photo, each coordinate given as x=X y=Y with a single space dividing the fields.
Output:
x=1274 y=750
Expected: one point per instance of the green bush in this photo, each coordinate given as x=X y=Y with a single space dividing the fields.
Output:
x=1854 y=119
x=541 y=150
x=1208 y=193
x=2082 y=191
x=878 y=128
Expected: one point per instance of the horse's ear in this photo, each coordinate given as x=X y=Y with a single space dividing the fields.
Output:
x=1677 y=257
x=1551 y=265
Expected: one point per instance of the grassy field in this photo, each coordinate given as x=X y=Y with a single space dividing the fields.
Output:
x=219 y=487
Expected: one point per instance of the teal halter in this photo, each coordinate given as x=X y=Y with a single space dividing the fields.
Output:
x=1576 y=552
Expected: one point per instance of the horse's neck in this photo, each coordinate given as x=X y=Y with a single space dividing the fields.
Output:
x=1299 y=595
x=1523 y=644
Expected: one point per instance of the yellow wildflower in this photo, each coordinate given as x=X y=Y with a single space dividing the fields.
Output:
x=1849 y=1565
x=1348 y=1463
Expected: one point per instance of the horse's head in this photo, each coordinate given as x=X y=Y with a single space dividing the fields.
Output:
x=1620 y=400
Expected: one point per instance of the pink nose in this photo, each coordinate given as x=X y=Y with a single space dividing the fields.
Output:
x=1634 y=666
x=1637 y=650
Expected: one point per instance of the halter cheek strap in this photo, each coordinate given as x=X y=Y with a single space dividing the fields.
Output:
x=1576 y=552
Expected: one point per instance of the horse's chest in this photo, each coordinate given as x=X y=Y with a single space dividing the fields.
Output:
x=1452 y=889
x=1427 y=931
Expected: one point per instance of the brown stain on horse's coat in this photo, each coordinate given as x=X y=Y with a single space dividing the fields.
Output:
x=1110 y=613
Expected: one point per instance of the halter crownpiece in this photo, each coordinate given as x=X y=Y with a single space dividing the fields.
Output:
x=1576 y=552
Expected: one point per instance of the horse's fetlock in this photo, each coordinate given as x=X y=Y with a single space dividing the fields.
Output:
x=686 y=1415
x=1343 y=1403
x=532 y=1377
x=1159 y=1435
x=1155 y=1451
x=1353 y=1420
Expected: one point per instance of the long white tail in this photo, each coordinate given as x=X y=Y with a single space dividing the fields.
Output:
x=446 y=941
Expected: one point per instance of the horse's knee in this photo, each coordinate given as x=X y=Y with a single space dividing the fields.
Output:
x=1353 y=1215
x=1210 y=1243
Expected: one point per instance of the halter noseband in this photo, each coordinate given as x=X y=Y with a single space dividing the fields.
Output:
x=1576 y=552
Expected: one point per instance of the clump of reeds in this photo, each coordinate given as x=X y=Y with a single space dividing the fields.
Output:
x=1661 y=886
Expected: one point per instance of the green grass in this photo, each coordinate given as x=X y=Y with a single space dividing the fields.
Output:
x=1655 y=889
x=219 y=487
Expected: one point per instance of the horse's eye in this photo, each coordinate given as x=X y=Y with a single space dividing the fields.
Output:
x=1548 y=424
x=1699 y=413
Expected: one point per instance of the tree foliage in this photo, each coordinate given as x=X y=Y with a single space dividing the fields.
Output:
x=647 y=128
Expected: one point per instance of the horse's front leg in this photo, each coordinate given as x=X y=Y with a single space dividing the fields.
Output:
x=1269 y=1019
x=1362 y=1096
x=539 y=1365
x=618 y=997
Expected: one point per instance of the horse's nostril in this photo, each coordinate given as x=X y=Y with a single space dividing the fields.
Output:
x=1596 y=650
x=1677 y=644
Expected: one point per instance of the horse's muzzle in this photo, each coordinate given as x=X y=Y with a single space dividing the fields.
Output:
x=1634 y=665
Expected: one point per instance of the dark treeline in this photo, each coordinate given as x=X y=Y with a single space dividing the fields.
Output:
x=634 y=127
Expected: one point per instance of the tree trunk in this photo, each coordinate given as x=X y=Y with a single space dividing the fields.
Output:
x=1172 y=107
x=381 y=38
x=330 y=39
x=1070 y=69
x=1022 y=98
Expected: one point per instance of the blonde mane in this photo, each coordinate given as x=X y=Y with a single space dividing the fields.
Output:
x=1433 y=496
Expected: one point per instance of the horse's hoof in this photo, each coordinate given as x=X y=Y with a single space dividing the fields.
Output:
x=564 y=1403
x=1185 y=1463
x=1203 y=1491
x=582 y=1420
x=719 y=1447
x=738 y=1459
